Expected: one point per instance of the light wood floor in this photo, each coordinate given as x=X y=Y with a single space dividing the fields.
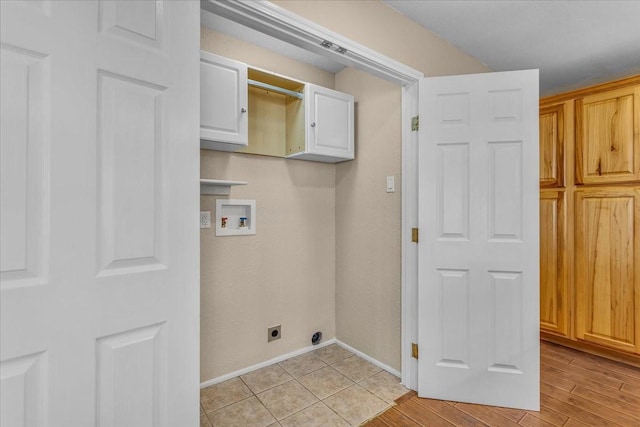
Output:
x=576 y=388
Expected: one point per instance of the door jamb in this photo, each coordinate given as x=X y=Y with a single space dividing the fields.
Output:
x=277 y=22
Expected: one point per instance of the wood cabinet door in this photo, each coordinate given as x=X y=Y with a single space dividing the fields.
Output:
x=608 y=137
x=223 y=103
x=554 y=295
x=552 y=146
x=607 y=266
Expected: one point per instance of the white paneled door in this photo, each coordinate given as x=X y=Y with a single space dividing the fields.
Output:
x=99 y=205
x=478 y=251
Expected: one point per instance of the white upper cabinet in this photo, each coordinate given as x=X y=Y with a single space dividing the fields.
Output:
x=223 y=103
x=288 y=118
x=329 y=125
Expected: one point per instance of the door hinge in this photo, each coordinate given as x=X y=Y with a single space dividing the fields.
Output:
x=415 y=123
x=414 y=350
x=414 y=235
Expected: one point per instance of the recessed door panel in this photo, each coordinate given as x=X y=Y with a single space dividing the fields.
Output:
x=24 y=147
x=554 y=315
x=24 y=391
x=131 y=378
x=607 y=283
x=454 y=294
x=505 y=190
x=607 y=137
x=131 y=211
x=552 y=146
x=453 y=191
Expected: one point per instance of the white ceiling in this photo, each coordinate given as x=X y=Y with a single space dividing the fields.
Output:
x=574 y=43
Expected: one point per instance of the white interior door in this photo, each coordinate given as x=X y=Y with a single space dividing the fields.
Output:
x=99 y=187
x=478 y=251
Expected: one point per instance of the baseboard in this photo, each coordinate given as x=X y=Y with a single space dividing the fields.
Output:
x=368 y=358
x=295 y=353
x=269 y=362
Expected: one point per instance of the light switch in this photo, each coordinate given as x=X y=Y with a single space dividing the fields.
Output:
x=391 y=184
x=205 y=219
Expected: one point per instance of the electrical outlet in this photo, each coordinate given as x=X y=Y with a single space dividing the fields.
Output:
x=205 y=219
x=274 y=333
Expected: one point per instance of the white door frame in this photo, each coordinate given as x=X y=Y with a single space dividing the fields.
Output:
x=277 y=22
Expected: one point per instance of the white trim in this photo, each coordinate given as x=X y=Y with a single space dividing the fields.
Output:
x=264 y=364
x=409 y=333
x=282 y=24
x=368 y=358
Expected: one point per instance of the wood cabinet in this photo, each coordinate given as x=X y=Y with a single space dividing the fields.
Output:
x=554 y=294
x=607 y=259
x=253 y=111
x=608 y=136
x=223 y=103
x=552 y=146
x=590 y=219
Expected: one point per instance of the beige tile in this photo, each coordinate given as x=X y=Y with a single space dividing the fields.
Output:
x=302 y=365
x=325 y=382
x=356 y=404
x=266 y=378
x=225 y=393
x=356 y=368
x=287 y=399
x=201 y=409
x=318 y=415
x=332 y=353
x=246 y=413
x=384 y=385
x=204 y=421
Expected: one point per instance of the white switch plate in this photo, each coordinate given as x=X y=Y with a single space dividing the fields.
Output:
x=205 y=219
x=391 y=184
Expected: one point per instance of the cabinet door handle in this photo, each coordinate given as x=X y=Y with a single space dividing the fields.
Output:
x=243 y=110
x=313 y=124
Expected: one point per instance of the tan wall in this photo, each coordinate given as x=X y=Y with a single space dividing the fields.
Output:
x=285 y=274
x=368 y=266
x=368 y=244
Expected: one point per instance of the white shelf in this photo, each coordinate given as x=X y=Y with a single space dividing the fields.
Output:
x=218 y=187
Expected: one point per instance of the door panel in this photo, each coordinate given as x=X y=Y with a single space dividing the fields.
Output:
x=552 y=146
x=607 y=258
x=478 y=251
x=554 y=293
x=608 y=137
x=100 y=156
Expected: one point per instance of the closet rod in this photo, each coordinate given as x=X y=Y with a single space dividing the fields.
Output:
x=256 y=83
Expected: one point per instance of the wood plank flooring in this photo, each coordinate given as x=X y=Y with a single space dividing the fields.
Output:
x=577 y=389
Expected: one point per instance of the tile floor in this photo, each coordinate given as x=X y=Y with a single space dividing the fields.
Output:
x=327 y=387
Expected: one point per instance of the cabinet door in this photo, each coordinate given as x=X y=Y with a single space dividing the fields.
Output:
x=554 y=296
x=552 y=146
x=607 y=266
x=608 y=137
x=223 y=103
x=330 y=123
